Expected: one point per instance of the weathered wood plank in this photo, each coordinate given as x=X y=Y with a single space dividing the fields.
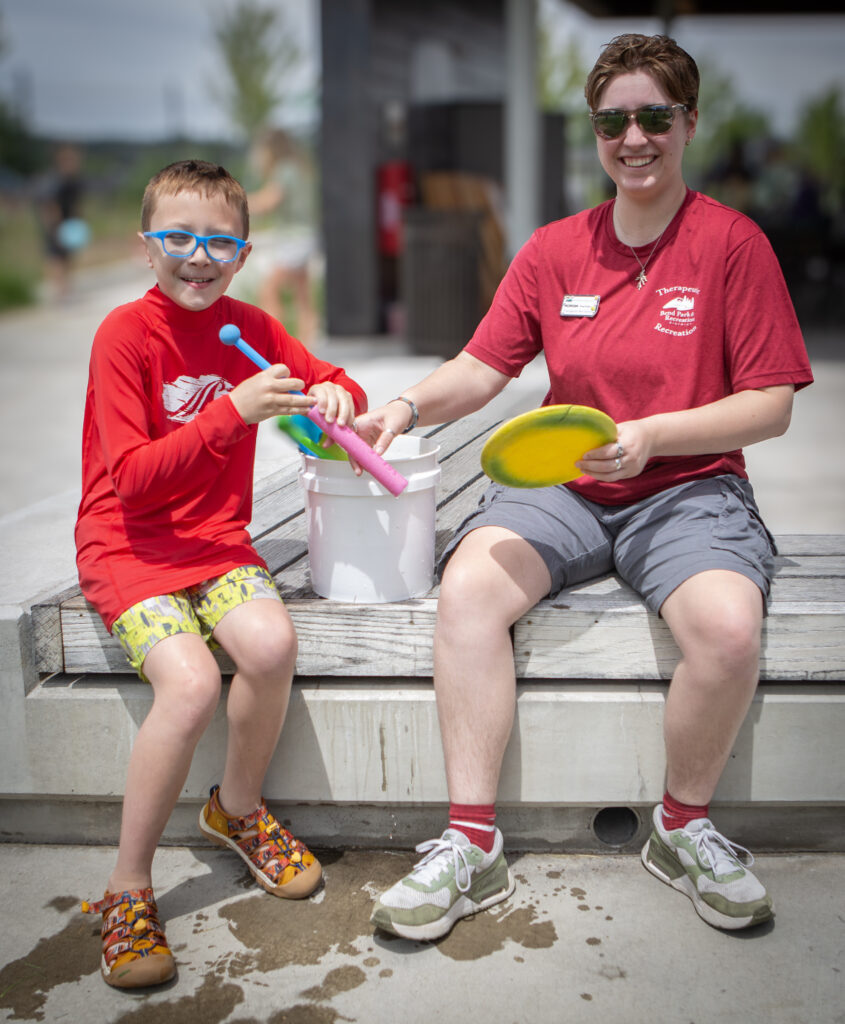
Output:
x=598 y=636
x=47 y=631
x=816 y=566
x=276 y=499
x=578 y=640
x=597 y=630
x=811 y=543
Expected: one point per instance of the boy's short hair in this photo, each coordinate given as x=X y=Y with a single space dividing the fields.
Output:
x=194 y=176
x=659 y=56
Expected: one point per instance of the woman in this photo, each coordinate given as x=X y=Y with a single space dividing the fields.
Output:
x=691 y=345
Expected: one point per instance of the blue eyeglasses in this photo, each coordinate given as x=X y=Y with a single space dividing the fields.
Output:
x=181 y=244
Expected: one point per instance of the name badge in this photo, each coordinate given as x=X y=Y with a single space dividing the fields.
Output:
x=580 y=305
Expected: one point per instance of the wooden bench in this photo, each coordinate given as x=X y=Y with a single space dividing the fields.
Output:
x=360 y=753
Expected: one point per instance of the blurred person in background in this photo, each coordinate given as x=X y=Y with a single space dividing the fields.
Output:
x=59 y=208
x=286 y=186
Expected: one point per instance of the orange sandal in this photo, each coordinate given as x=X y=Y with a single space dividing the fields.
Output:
x=279 y=863
x=135 y=952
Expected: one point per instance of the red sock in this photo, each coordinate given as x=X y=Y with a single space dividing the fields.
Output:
x=678 y=815
x=476 y=821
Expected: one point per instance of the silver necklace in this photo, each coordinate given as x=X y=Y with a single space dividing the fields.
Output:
x=641 y=278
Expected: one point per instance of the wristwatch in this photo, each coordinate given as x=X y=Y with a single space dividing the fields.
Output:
x=415 y=413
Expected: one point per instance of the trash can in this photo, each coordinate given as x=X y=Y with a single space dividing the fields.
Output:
x=439 y=279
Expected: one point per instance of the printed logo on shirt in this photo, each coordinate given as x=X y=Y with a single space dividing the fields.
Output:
x=677 y=316
x=186 y=397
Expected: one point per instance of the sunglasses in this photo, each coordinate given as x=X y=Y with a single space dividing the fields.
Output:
x=181 y=244
x=655 y=119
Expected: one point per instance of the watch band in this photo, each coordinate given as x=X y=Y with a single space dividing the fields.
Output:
x=415 y=413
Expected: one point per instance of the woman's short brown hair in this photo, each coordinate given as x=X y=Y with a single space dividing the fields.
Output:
x=194 y=176
x=659 y=56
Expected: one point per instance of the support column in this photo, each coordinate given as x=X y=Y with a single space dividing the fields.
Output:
x=347 y=146
x=522 y=123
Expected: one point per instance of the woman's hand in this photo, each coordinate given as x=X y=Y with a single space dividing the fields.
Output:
x=621 y=459
x=268 y=393
x=379 y=426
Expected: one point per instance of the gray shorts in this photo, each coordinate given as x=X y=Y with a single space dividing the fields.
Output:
x=654 y=544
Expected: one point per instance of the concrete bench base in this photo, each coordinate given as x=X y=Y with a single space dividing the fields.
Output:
x=361 y=761
x=773 y=828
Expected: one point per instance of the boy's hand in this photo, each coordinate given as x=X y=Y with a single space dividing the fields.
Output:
x=268 y=394
x=334 y=402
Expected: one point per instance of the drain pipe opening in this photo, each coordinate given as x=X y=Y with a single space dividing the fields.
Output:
x=615 y=826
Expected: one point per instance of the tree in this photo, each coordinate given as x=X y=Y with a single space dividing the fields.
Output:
x=257 y=50
x=820 y=143
x=19 y=152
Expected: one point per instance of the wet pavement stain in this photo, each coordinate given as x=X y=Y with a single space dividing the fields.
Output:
x=341 y=979
x=67 y=956
x=486 y=933
x=613 y=973
x=305 y=1013
x=277 y=932
x=63 y=903
x=212 y=1002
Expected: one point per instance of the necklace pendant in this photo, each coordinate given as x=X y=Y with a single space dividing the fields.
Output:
x=641 y=278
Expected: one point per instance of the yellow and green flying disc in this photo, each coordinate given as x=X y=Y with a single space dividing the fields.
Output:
x=540 y=448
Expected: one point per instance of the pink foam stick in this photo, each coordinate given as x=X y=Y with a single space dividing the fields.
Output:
x=388 y=476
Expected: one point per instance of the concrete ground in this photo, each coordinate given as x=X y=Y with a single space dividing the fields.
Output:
x=582 y=939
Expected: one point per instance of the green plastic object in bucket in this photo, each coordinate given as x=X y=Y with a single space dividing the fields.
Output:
x=364 y=545
x=297 y=429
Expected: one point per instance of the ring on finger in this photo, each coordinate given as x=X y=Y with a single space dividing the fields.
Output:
x=620 y=451
x=388 y=430
x=618 y=463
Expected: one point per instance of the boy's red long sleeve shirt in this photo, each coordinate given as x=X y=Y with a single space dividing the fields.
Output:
x=167 y=461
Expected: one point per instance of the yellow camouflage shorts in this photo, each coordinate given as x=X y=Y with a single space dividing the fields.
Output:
x=196 y=609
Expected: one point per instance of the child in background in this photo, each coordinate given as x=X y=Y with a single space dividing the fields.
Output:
x=286 y=188
x=163 y=550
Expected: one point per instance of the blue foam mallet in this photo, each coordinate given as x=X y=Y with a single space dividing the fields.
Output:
x=388 y=476
x=301 y=430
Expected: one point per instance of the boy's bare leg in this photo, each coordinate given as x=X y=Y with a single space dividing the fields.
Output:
x=716 y=618
x=492 y=579
x=260 y=638
x=186 y=686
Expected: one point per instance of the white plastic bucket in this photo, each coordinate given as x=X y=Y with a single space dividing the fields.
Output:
x=364 y=545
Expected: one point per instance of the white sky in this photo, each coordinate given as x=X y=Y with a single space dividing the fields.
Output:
x=143 y=68
x=139 y=69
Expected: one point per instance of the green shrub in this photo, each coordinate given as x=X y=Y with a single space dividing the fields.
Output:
x=15 y=290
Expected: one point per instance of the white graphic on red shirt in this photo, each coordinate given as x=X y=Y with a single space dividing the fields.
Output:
x=677 y=315
x=186 y=397
x=683 y=302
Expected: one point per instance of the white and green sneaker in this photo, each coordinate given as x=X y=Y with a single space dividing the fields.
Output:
x=454 y=879
x=711 y=870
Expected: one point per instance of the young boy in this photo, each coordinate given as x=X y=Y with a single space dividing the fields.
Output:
x=163 y=550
